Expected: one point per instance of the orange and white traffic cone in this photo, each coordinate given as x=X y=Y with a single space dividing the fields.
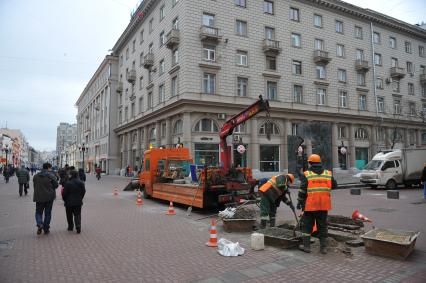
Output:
x=171 y=210
x=139 y=199
x=356 y=215
x=213 y=235
x=115 y=192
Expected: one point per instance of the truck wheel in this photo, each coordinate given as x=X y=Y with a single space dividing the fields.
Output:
x=145 y=194
x=391 y=185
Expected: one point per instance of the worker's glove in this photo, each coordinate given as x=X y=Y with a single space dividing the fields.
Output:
x=299 y=205
x=290 y=204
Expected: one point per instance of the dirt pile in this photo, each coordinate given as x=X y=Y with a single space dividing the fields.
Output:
x=244 y=213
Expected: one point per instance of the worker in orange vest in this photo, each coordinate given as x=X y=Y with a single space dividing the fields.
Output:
x=272 y=193
x=315 y=200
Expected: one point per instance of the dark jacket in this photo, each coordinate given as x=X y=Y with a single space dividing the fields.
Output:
x=74 y=191
x=45 y=184
x=23 y=176
x=303 y=189
x=82 y=175
x=63 y=176
x=424 y=175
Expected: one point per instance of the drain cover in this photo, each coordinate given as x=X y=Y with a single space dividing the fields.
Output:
x=386 y=210
x=6 y=245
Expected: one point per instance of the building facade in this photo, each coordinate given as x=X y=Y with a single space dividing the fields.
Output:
x=96 y=119
x=345 y=80
x=66 y=135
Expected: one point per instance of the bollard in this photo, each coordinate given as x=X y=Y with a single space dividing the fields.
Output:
x=393 y=194
x=356 y=191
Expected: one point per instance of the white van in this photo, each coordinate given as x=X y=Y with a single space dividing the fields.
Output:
x=391 y=168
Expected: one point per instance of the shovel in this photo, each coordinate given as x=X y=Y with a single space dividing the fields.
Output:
x=295 y=216
x=188 y=212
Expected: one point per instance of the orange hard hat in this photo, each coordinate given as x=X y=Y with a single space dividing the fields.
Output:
x=291 y=178
x=314 y=158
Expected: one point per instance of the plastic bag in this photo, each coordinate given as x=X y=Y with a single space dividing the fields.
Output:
x=228 y=248
x=228 y=212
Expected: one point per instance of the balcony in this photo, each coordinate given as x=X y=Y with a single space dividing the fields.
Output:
x=397 y=72
x=362 y=65
x=131 y=76
x=172 y=38
x=120 y=87
x=209 y=34
x=422 y=78
x=148 y=60
x=271 y=46
x=321 y=57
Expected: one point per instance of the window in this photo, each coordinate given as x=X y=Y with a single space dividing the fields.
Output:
x=150 y=100
x=424 y=138
x=240 y=3
x=423 y=87
x=241 y=28
x=394 y=62
x=150 y=76
x=162 y=67
x=242 y=86
x=150 y=25
x=295 y=40
x=206 y=125
x=341 y=132
x=294 y=129
x=320 y=69
x=294 y=14
x=120 y=117
x=298 y=94
x=410 y=88
x=381 y=134
x=140 y=106
x=161 y=94
x=163 y=130
x=376 y=37
x=358 y=32
x=178 y=127
x=141 y=59
x=141 y=37
x=395 y=86
x=127 y=53
x=343 y=99
x=140 y=82
x=161 y=13
x=242 y=58
x=319 y=44
x=408 y=47
x=361 y=134
x=132 y=110
x=412 y=108
x=321 y=96
x=275 y=129
x=392 y=42
x=126 y=113
x=379 y=83
x=421 y=51
x=121 y=60
x=268 y=7
x=271 y=63
x=340 y=51
x=208 y=20
x=206 y=154
x=240 y=129
x=134 y=46
x=209 y=83
x=410 y=68
x=317 y=21
x=151 y=48
x=175 y=24
x=297 y=67
x=175 y=57
x=397 y=106
x=209 y=52
x=174 y=87
x=269 y=33
x=359 y=54
x=360 y=79
x=271 y=90
x=162 y=38
x=377 y=59
x=152 y=140
x=339 y=27
x=341 y=74
x=269 y=158
x=380 y=104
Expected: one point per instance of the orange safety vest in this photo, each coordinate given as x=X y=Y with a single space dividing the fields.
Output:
x=319 y=187
x=271 y=183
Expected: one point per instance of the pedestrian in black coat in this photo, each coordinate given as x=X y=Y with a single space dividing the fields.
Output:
x=74 y=191
x=82 y=175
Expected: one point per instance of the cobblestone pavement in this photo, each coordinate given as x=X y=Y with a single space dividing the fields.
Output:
x=121 y=242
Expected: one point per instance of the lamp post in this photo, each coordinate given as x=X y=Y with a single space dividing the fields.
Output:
x=82 y=147
x=6 y=150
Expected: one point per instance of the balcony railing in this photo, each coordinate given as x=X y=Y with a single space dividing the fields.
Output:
x=321 y=56
x=361 y=65
x=397 y=72
x=209 y=33
x=271 y=46
x=131 y=76
x=120 y=87
x=148 y=60
x=172 y=38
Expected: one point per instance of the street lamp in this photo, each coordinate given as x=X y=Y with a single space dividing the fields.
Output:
x=82 y=147
x=6 y=150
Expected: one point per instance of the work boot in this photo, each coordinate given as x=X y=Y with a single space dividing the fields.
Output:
x=323 y=246
x=263 y=223
x=306 y=246
x=272 y=222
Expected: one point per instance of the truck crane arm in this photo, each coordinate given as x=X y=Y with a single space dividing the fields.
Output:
x=229 y=126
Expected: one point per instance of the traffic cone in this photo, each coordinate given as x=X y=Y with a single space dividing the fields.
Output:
x=356 y=215
x=314 y=229
x=139 y=200
x=115 y=192
x=171 y=210
x=213 y=235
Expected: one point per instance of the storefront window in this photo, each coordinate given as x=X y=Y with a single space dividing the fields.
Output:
x=207 y=154
x=269 y=158
x=361 y=157
x=240 y=160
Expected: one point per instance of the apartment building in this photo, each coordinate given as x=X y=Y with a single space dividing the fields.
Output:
x=96 y=119
x=66 y=135
x=348 y=81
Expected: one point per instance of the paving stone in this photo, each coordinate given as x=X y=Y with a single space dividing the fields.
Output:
x=271 y=267
x=254 y=272
x=233 y=277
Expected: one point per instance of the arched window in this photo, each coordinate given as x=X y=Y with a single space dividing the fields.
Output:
x=206 y=125
x=178 y=128
x=361 y=134
x=275 y=129
x=240 y=129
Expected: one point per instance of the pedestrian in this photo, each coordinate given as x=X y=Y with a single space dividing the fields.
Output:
x=98 y=171
x=424 y=181
x=314 y=200
x=82 y=175
x=45 y=184
x=23 y=179
x=127 y=170
x=272 y=193
x=6 y=174
x=64 y=174
x=74 y=191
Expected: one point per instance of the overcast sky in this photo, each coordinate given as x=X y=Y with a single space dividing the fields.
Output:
x=49 y=50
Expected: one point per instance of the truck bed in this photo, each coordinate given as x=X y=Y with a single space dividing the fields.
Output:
x=179 y=193
x=414 y=160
